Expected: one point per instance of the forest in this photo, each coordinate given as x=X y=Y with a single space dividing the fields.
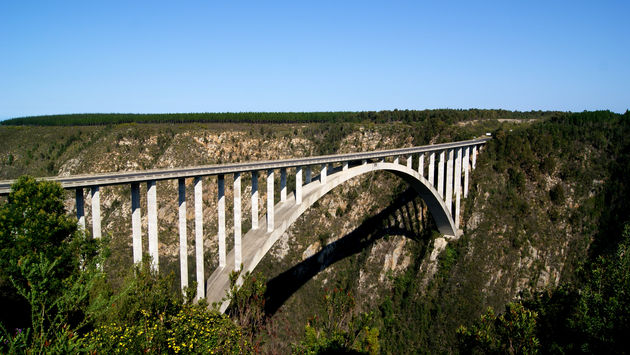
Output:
x=446 y=115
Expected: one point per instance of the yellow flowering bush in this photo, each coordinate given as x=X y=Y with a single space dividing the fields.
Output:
x=193 y=329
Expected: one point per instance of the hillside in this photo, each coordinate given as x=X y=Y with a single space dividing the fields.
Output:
x=547 y=194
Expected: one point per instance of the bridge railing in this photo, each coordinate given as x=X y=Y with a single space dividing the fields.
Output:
x=449 y=176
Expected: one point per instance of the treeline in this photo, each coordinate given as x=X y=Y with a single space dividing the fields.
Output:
x=448 y=116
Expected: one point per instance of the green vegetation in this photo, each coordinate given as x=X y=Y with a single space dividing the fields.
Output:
x=51 y=271
x=593 y=317
x=446 y=116
x=340 y=329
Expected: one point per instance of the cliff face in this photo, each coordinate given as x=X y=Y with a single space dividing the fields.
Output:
x=371 y=236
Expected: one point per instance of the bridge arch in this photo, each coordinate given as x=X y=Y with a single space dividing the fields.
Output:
x=257 y=242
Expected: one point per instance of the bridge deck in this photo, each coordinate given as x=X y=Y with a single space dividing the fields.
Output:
x=126 y=177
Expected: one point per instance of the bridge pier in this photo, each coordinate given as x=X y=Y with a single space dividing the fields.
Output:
x=474 y=157
x=441 y=175
x=95 y=197
x=283 y=184
x=298 y=185
x=80 y=206
x=221 y=221
x=270 y=211
x=432 y=168
x=237 y=221
x=136 y=222
x=421 y=165
x=396 y=160
x=201 y=290
x=183 y=242
x=152 y=223
x=449 y=181
x=322 y=174
x=409 y=161
x=465 y=167
x=254 y=198
x=308 y=174
x=458 y=185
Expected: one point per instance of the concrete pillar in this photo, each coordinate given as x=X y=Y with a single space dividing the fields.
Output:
x=80 y=208
x=136 y=222
x=441 y=175
x=364 y=161
x=270 y=211
x=283 y=184
x=345 y=165
x=183 y=241
x=308 y=174
x=409 y=161
x=396 y=160
x=298 y=185
x=421 y=165
x=458 y=185
x=322 y=174
x=466 y=168
x=237 y=221
x=449 y=181
x=474 y=157
x=152 y=223
x=432 y=168
x=201 y=290
x=254 y=200
x=95 y=196
x=221 y=221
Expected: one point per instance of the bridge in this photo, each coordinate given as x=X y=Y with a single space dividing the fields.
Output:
x=440 y=184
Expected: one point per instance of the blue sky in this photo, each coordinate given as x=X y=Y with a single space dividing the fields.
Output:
x=204 y=56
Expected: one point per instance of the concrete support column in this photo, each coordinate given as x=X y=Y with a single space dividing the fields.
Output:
x=298 y=185
x=396 y=160
x=474 y=157
x=432 y=168
x=270 y=211
x=183 y=241
x=254 y=200
x=322 y=173
x=364 y=161
x=441 y=175
x=201 y=290
x=152 y=223
x=136 y=222
x=283 y=184
x=95 y=196
x=409 y=161
x=308 y=174
x=458 y=185
x=345 y=166
x=449 y=181
x=80 y=205
x=421 y=165
x=237 y=221
x=466 y=168
x=221 y=221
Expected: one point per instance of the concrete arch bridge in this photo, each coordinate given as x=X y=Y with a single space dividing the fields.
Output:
x=439 y=173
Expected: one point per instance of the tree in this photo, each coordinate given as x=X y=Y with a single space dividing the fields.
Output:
x=47 y=269
x=513 y=332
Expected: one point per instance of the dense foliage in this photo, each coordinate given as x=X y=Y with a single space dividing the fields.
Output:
x=60 y=302
x=444 y=115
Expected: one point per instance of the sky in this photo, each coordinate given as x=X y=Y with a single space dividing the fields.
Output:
x=235 y=56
